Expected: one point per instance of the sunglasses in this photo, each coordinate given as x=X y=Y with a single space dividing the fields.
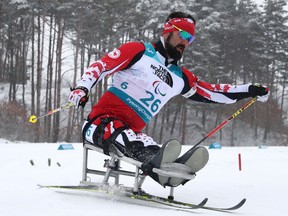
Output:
x=184 y=35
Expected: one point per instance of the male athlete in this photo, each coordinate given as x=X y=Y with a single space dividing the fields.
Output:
x=145 y=77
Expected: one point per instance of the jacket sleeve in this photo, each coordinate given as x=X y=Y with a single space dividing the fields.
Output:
x=118 y=59
x=198 y=90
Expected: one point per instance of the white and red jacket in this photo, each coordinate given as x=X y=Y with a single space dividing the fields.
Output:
x=144 y=80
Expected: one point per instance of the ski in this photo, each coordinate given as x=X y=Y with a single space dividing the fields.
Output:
x=232 y=208
x=127 y=192
x=143 y=196
x=185 y=205
x=168 y=202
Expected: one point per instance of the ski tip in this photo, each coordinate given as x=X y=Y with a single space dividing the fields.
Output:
x=239 y=205
x=204 y=201
x=243 y=201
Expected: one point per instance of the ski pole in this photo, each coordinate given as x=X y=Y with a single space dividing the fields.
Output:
x=187 y=154
x=33 y=118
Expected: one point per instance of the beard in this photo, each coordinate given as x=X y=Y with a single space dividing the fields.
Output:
x=172 y=51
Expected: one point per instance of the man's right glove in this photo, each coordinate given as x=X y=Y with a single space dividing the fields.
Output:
x=79 y=96
x=261 y=92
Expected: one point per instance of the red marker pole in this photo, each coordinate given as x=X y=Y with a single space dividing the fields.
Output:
x=239 y=162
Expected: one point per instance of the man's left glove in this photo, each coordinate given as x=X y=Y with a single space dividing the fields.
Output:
x=261 y=92
x=79 y=96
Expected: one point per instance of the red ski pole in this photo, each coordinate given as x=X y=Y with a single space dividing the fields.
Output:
x=187 y=154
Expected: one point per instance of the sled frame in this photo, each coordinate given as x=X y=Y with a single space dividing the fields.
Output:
x=113 y=170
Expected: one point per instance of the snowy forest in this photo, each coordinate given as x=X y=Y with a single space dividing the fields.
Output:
x=46 y=45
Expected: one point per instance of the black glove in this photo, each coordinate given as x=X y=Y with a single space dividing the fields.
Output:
x=261 y=92
x=79 y=96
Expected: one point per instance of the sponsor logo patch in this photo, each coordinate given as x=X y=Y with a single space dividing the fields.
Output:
x=163 y=74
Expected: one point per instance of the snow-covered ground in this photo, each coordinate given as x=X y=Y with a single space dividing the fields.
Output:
x=263 y=181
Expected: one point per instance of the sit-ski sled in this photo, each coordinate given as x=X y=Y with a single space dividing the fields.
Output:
x=113 y=170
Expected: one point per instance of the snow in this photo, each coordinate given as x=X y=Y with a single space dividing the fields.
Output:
x=262 y=180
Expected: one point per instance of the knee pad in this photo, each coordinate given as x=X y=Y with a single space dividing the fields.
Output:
x=102 y=131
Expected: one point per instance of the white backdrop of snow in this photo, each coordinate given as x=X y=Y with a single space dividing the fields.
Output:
x=263 y=181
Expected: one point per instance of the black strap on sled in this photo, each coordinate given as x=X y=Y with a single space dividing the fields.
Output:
x=99 y=132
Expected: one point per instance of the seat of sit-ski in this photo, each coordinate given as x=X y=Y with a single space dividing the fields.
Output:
x=167 y=169
x=116 y=153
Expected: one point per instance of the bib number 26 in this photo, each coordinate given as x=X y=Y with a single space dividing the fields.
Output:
x=151 y=102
